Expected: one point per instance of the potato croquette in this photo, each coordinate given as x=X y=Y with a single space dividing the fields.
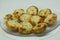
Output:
x=33 y=10
x=25 y=28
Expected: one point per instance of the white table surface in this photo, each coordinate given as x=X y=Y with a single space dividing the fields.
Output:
x=7 y=6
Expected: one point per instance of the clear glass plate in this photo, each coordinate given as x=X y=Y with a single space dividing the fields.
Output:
x=49 y=29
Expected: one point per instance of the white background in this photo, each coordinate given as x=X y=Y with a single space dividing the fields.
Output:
x=7 y=6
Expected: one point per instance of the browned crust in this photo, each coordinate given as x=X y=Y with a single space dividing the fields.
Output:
x=12 y=28
x=34 y=7
x=40 y=28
